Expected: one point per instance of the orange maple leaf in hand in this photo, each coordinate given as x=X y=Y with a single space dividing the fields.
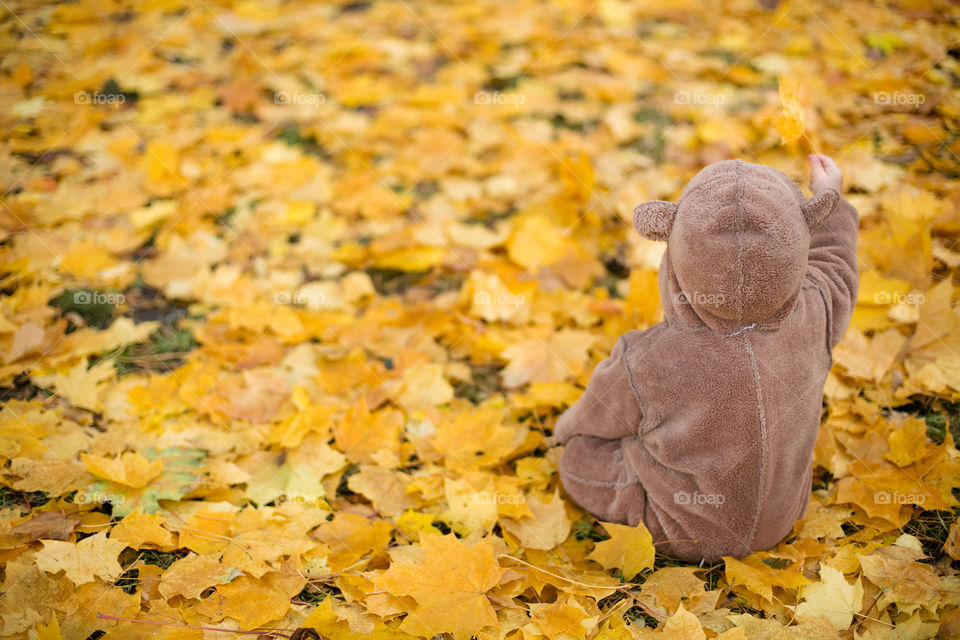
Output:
x=789 y=123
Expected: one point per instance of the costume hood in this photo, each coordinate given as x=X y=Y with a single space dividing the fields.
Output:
x=737 y=245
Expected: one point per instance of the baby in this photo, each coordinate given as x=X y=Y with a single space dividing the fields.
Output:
x=703 y=425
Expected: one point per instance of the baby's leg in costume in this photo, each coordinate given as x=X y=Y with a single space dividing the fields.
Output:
x=595 y=477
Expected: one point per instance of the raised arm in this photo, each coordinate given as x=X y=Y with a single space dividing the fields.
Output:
x=833 y=249
x=609 y=407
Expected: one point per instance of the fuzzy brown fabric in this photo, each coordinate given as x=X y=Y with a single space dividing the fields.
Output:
x=703 y=425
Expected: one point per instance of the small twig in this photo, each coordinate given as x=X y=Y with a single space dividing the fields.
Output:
x=582 y=584
x=869 y=609
x=643 y=605
x=502 y=603
x=319 y=577
x=866 y=617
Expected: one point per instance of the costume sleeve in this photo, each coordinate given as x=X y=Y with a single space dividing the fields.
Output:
x=609 y=407
x=832 y=263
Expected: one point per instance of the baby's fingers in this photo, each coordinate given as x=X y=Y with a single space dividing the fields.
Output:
x=824 y=173
x=828 y=164
x=816 y=168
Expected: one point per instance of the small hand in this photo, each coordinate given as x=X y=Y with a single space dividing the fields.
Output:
x=824 y=174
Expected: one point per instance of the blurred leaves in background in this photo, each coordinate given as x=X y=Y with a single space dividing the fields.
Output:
x=293 y=292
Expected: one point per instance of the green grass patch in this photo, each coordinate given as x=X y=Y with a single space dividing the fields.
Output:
x=164 y=351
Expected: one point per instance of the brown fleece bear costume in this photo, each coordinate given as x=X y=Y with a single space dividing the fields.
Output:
x=703 y=425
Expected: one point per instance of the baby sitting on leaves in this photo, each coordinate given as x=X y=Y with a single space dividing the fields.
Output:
x=703 y=425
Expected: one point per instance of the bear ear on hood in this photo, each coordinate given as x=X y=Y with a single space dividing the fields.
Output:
x=654 y=219
x=816 y=209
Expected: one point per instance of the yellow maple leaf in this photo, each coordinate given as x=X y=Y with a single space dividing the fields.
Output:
x=138 y=529
x=548 y=527
x=555 y=359
x=328 y=620
x=250 y=601
x=629 y=549
x=477 y=438
x=128 y=468
x=350 y=537
x=411 y=523
x=470 y=510
x=191 y=575
x=536 y=241
x=53 y=476
x=385 y=488
x=83 y=386
x=361 y=433
x=683 y=625
x=84 y=605
x=908 y=443
x=669 y=586
x=91 y=558
x=758 y=578
x=423 y=386
x=832 y=598
x=492 y=300
x=162 y=163
x=903 y=581
x=564 y=619
x=789 y=122
x=86 y=259
x=206 y=530
x=449 y=586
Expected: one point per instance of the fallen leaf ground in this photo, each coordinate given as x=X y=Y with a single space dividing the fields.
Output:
x=293 y=292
